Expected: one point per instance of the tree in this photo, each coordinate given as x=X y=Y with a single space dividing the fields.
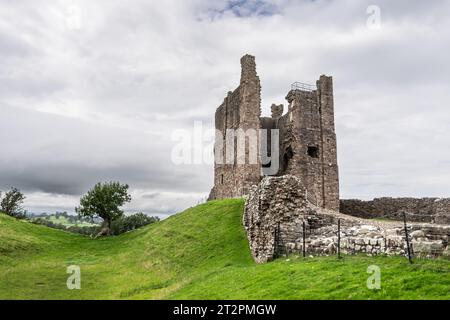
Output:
x=11 y=204
x=104 y=200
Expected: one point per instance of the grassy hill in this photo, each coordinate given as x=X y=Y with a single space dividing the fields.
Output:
x=200 y=253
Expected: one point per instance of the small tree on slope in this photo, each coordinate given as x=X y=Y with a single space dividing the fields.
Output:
x=104 y=200
x=11 y=204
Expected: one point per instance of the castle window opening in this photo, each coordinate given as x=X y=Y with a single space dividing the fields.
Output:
x=221 y=179
x=313 y=152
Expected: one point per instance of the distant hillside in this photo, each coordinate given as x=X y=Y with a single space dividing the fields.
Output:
x=199 y=253
x=65 y=220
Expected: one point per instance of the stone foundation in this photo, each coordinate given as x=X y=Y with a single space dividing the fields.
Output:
x=276 y=209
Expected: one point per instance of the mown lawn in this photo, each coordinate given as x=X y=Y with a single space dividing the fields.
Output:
x=201 y=253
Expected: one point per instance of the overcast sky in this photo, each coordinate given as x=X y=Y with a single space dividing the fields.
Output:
x=93 y=90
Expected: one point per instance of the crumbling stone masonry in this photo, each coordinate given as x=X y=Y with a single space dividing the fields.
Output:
x=276 y=209
x=306 y=133
x=240 y=110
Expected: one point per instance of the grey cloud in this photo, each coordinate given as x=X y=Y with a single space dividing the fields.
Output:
x=54 y=154
x=11 y=46
x=100 y=103
x=151 y=195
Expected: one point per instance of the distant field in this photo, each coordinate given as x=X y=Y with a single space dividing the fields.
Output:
x=65 y=222
x=201 y=253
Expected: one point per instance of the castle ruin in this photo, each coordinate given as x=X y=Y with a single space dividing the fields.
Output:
x=290 y=180
x=307 y=139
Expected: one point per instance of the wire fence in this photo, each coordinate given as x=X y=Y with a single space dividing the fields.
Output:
x=305 y=231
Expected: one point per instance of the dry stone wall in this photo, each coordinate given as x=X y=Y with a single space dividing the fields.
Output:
x=431 y=210
x=276 y=209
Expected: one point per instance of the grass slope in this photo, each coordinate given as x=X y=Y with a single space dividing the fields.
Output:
x=200 y=253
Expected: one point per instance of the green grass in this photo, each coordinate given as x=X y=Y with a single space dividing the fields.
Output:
x=201 y=253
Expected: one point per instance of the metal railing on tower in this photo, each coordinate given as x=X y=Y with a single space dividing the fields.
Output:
x=302 y=86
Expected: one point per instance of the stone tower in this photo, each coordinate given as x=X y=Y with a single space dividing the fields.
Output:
x=307 y=139
x=240 y=110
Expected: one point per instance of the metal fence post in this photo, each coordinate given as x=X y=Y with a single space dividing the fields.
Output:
x=339 y=239
x=275 y=242
x=278 y=239
x=407 y=238
x=304 y=239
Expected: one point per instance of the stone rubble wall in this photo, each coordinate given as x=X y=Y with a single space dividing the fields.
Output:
x=442 y=211
x=276 y=209
x=431 y=210
x=275 y=200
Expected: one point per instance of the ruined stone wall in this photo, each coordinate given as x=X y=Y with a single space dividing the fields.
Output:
x=308 y=142
x=249 y=174
x=300 y=132
x=431 y=210
x=442 y=211
x=276 y=209
x=240 y=110
x=330 y=173
x=276 y=200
